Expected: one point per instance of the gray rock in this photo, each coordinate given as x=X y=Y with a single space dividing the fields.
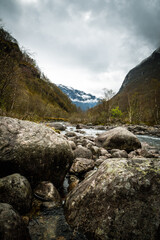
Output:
x=81 y=165
x=16 y=190
x=82 y=152
x=119 y=201
x=12 y=226
x=119 y=138
x=57 y=126
x=119 y=153
x=72 y=144
x=33 y=150
x=46 y=191
x=70 y=134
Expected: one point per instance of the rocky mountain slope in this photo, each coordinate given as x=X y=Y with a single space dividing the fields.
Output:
x=80 y=98
x=139 y=95
x=25 y=92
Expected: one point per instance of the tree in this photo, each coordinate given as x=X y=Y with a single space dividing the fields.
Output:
x=116 y=113
x=108 y=94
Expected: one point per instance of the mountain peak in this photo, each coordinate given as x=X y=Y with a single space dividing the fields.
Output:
x=80 y=98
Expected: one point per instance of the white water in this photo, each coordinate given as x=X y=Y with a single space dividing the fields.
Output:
x=152 y=141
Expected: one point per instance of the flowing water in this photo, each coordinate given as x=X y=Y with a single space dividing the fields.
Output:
x=151 y=140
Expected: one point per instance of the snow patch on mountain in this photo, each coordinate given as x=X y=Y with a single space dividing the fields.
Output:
x=80 y=98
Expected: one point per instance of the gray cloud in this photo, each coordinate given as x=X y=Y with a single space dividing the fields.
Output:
x=100 y=37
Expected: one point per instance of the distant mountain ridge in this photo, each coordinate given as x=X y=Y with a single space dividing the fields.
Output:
x=80 y=98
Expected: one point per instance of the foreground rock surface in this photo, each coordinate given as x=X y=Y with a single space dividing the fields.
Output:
x=119 y=201
x=11 y=224
x=119 y=138
x=33 y=150
x=50 y=224
x=16 y=190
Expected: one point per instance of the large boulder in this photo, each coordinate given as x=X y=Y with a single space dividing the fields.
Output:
x=119 y=201
x=119 y=138
x=16 y=190
x=12 y=226
x=33 y=150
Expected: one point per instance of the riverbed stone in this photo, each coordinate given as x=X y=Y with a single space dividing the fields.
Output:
x=82 y=152
x=57 y=126
x=33 y=150
x=46 y=191
x=12 y=226
x=119 y=201
x=117 y=153
x=81 y=165
x=16 y=190
x=119 y=138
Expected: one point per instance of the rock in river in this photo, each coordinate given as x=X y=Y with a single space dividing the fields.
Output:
x=119 y=201
x=119 y=138
x=33 y=150
x=81 y=165
x=16 y=190
x=11 y=225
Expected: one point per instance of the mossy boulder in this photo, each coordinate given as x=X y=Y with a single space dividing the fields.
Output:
x=119 y=201
x=16 y=190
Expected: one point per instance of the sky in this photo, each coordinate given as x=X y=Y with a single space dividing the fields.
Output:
x=86 y=44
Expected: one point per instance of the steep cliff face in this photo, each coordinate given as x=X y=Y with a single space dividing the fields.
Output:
x=139 y=95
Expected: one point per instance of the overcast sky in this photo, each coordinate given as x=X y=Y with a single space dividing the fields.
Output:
x=85 y=44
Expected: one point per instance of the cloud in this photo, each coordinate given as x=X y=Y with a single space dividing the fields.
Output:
x=90 y=45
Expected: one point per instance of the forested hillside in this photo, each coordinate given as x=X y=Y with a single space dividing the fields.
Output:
x=25 y=92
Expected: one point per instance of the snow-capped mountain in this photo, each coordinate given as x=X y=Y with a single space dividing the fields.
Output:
x=80 y=98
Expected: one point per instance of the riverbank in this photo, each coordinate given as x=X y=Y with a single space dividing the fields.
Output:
x=86 y=182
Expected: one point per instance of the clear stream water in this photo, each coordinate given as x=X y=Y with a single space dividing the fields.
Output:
x=152 y=141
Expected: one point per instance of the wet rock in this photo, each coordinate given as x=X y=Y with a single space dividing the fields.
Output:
x=16 y=190
x=46 y=191
x=12 y=226
x=82 y=152
x=119 y=138
x=50 y=224
x=81 y=165
x=33 y=150
x=119 y=201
